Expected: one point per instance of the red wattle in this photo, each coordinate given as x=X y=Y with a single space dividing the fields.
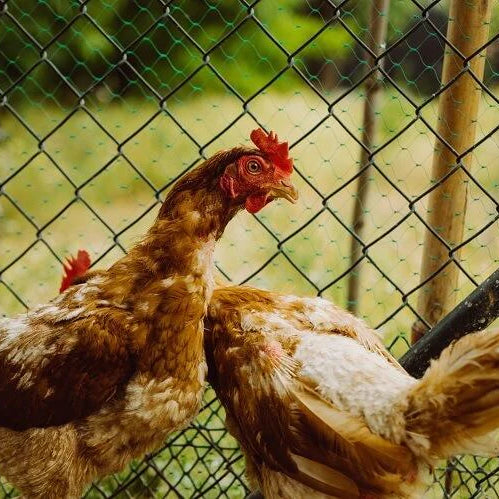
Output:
x=255 y=202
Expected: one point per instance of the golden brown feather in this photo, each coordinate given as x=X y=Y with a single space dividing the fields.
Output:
x=320 y=407
x=107 y=370
x=456 y=404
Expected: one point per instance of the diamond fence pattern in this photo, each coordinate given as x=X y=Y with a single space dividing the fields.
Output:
x=103 y=105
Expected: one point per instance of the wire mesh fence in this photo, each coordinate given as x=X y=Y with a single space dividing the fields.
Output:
x=104 y=104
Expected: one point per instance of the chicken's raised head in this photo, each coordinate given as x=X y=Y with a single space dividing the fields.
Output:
x=257 y=176
x=241 y=177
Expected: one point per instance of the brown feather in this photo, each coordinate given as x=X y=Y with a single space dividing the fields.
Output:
x=360 y=444
x=324 y=479
x=68 y=383
x=457 y=402
x=108 y=369
x=279 y=419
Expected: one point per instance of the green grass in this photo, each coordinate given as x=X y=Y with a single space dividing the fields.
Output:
x=153 y=156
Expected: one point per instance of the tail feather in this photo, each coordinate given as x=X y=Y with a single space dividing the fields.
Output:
x=455 y=407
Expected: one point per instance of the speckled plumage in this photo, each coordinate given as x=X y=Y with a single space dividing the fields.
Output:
x=321 y=409
x=107 y=370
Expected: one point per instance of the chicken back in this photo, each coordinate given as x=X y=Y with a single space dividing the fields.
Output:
x=321 y=409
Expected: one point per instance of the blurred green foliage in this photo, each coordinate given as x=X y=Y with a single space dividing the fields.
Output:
x=164 y=44
x=69 y=48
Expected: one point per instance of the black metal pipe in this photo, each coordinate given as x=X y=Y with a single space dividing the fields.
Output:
x=473 y=314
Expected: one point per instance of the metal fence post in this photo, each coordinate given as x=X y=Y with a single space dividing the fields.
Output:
x=475 y=313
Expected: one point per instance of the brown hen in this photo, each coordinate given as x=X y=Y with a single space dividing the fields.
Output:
x=321 y=409
x=104 y=372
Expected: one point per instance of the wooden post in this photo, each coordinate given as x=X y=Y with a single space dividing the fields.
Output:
x=468 y=30
x=378 y=22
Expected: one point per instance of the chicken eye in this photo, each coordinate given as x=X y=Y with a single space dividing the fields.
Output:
x=253 y=167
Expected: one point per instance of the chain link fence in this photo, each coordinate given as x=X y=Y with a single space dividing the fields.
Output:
x=104 y=104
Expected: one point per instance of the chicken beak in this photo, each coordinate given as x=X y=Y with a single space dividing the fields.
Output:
x=284 y=189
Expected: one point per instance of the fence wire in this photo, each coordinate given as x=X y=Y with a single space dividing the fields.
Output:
x=103 y=105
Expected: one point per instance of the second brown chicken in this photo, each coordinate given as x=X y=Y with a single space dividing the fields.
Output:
x=321 y=408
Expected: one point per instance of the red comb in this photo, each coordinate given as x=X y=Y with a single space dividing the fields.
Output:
x=73 y=268
x=275 y=151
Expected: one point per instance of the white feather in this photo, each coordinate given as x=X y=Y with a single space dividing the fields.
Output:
x=356 y=380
